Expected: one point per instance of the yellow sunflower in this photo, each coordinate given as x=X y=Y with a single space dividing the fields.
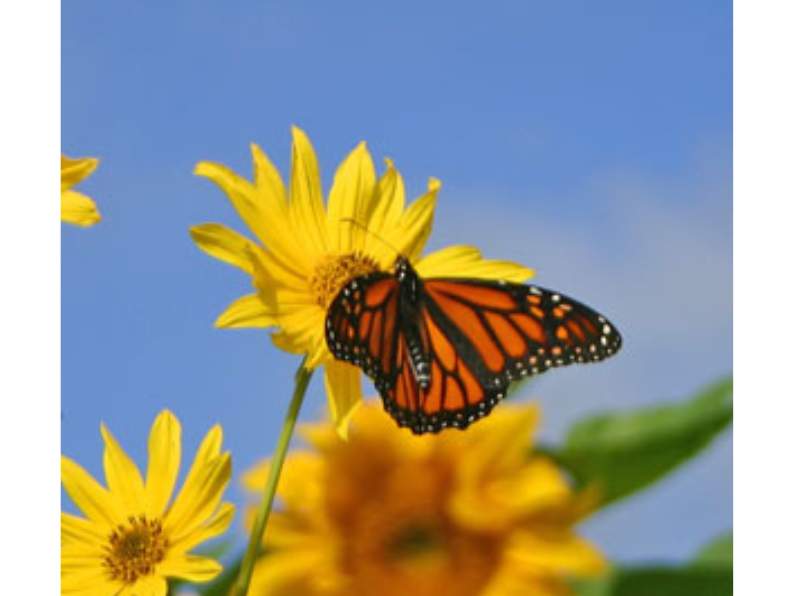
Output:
x=77 y=208
x=306 y=252
x=132 y=539
x=458 y=514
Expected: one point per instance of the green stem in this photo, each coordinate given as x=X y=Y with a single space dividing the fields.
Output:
x=250 y=558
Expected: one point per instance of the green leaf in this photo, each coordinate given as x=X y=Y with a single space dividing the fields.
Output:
x=661 y=581
x=602 y=586
x=624 y=452
x=710 y=573
x=719 y=552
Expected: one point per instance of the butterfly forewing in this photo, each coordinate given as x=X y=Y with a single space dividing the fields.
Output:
x=517 y=330
x=362 y=326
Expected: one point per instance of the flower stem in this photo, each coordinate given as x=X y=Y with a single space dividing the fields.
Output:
x=302 y=377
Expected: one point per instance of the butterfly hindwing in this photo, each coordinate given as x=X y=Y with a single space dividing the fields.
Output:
x=481 y=335
x=455 y=396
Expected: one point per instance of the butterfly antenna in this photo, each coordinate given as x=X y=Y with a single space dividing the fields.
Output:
x=372 y=233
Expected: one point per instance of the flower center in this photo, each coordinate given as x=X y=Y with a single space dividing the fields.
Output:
x=135 y=548
x=397 y=551
x=333 y=272
x=415 y=541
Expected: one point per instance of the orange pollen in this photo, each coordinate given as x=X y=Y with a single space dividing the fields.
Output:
x=333 y=272
x=134 y=549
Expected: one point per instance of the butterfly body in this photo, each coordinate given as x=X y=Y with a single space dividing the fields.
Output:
x=443 y=351
x=409 y=308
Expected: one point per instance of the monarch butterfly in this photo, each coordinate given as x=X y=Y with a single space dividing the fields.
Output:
x=442 y=351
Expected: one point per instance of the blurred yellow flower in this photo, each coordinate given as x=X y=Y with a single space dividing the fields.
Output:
x=131 y=539
x=77 y=208
x=307 y=252
x=390 y=514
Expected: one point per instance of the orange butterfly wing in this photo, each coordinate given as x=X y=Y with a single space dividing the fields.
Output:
x=480 y=336
x=363 y=326
x=475 y=337
x=453 y=397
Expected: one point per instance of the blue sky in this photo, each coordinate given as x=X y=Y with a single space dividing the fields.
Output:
x=592 y=143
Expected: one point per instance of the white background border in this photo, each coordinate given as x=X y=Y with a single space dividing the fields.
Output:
x=30 y=121
x=764 y=219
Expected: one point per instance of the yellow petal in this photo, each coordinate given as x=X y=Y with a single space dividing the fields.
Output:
x=81 y=531
x=165 y=452
x=75 y=170
x=271 y=282
x=247 y=311
x=125 y=484
x=271 y=277
x=203 y=498
x=307 y=334
x=318 y=354
x=286 y=262
x=79 y=558
x=541 y=486
x=276 y=231
x=240 y=192
x=503 y=439
x=200 y=495
x=517 y=580
x=91 y=581
x=78 y=209
x=556 y=552
x=299 y=482
x=215 y=527
x=87 y=494
x=262 y=207
x=306 y=196
x=344 y=391
x=287 y=343
x=151 y=585
x=204 y=465
x=191 y=568
x=385 y=220
x=225 y=244
x=158 y=586
x=287 y=573
x=417 y=223
x=268 y=183
x=210 y=447
x=351 y=201
x=537 y=490
x=496 y=484
x=466 y=261
x=100 y=589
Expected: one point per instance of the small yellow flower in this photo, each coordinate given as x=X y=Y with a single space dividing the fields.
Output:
x=132 y=539
x=77 y=208
x=306 y=252
x=387 y=513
